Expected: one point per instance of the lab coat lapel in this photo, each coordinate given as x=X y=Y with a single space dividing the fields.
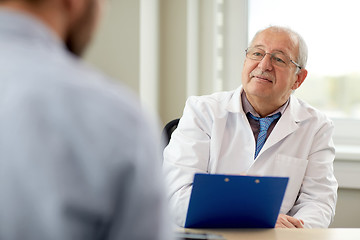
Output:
x=287 y=124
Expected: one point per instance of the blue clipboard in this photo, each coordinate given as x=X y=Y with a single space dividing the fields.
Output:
x=232 y=201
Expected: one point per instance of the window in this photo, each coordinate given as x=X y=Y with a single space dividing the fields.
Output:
x=333 y=81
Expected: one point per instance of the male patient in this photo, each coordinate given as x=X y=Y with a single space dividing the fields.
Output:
x=260 y=129
x=77 y=158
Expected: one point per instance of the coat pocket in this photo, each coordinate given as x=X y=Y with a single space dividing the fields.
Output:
x=294 y=169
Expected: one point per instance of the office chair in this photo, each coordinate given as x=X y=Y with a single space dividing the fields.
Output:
x=169 y=128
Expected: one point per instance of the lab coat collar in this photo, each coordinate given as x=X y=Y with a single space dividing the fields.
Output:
x=287 y=124
x=293 y=110
x=235 y=105
x=296 y=110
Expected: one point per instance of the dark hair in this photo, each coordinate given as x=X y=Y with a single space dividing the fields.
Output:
x=27 y=1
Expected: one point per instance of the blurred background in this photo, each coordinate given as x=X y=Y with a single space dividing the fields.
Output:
x=167 y=50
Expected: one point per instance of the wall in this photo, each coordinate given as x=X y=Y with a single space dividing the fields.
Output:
x=347 y=210
x=115 y=49
x=126 y=47
x=173 y=58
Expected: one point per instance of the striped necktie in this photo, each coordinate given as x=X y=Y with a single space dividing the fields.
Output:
x=264 y=126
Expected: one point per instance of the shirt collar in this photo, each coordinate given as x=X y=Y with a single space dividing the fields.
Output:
x=27 y=28
x=249 y=109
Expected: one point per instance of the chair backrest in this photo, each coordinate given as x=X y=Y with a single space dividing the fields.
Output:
x=169 y=128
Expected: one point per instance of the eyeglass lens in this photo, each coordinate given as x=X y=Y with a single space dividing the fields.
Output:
x=277 y=58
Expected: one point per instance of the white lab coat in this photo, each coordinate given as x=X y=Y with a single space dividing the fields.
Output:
x=214 y=136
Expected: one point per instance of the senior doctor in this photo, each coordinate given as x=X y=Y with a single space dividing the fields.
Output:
x=224 y=133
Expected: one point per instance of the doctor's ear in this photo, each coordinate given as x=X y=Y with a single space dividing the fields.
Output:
x=300 y=78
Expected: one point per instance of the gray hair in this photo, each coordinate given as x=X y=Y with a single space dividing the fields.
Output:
x=297 y=38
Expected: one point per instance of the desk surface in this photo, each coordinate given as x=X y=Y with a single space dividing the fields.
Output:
x=284 y=234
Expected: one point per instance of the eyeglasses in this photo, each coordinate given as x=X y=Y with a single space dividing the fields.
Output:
x=277 y=58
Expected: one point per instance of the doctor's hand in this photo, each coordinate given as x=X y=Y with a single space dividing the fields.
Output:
x=285 y=221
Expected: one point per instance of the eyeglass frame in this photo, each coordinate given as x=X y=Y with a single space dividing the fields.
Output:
x=271 y=56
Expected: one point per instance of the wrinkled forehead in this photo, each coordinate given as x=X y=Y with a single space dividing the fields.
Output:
x=275 y=40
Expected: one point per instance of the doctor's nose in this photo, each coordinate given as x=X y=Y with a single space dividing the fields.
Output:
x=266 y=64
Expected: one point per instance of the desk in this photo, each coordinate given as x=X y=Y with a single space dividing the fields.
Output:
x=284 y=234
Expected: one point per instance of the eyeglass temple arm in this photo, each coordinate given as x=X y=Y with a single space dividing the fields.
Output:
x=297 y=65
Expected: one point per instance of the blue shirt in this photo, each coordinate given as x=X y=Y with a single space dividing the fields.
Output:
x=254 y=124
x=78 y=159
